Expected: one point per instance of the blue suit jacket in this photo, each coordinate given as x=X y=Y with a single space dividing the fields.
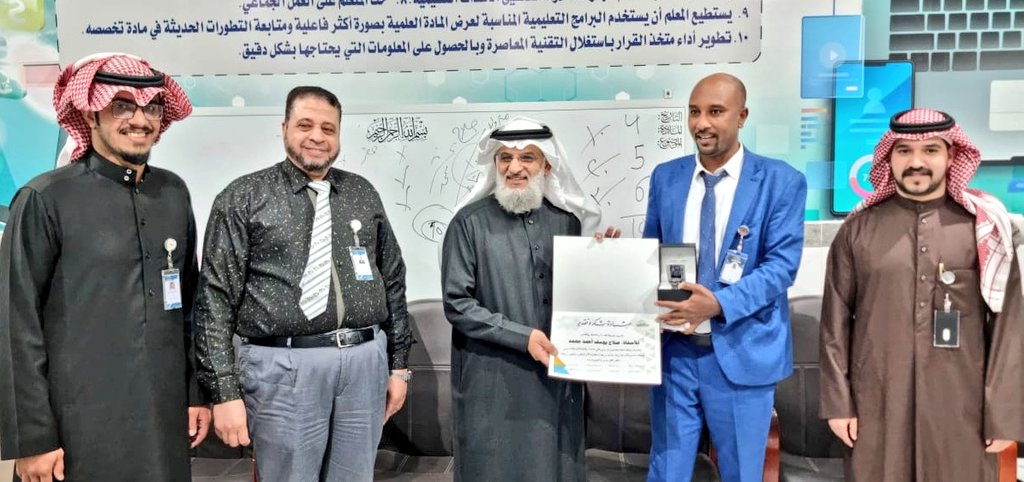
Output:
x=752 y=338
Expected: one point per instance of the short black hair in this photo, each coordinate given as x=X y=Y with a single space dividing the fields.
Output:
x=304 y=91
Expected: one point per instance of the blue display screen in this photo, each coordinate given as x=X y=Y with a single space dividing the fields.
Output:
x=858 y=124
x=826 y=42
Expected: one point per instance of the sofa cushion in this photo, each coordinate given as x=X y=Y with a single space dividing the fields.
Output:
x=618 y=417
x=424 y=425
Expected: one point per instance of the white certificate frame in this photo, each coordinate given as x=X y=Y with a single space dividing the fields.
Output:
x=603 y=302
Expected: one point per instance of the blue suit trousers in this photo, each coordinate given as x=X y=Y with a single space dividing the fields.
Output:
x=695 y=391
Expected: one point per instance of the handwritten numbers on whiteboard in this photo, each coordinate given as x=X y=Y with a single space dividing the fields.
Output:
x=635 y=123
x=599 y=197
x=640 y=190
x=638 y=157
x=594 y=135
x=431 y=222
x=596 y=167
x=636 y=224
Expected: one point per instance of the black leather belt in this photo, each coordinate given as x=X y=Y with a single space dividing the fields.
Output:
x=698 y=340
x=340 y=338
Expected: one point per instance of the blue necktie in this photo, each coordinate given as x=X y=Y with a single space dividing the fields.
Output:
x=706 y=257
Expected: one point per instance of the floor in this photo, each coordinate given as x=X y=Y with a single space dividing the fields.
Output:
x=394 y=467
x=221 y=470
x=240 y=470
x=205 y=470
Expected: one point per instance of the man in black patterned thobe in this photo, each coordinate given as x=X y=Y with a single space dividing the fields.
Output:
x=301 y=262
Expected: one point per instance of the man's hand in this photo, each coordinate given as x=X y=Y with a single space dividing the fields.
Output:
x=700 y=306
x=397 y=389
x=845 y=429
x=41 y=468
x=230 y=424
x=997 y=445
x=611 y=232
x=198 y=424
x=540 y=347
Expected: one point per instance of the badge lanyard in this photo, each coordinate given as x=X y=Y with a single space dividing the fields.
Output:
x=735 y=260
x=946 y=333
x=360 y=260
x=171 y=279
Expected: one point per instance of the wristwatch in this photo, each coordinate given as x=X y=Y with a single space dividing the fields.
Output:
x=676 y=274
x=404 y=375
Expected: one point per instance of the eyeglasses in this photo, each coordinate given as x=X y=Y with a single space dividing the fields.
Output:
x=124 y=110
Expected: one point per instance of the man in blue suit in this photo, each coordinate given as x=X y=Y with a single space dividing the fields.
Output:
x=726 y=346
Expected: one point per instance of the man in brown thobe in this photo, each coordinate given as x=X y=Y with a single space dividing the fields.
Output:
x=921 y=388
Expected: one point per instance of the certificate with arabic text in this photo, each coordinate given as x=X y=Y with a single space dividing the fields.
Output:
x=603 y=311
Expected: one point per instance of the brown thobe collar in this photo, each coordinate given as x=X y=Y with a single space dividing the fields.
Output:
x=921 y=206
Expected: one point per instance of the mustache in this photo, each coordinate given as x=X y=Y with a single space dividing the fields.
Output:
x=910 y=171
x=146 y=129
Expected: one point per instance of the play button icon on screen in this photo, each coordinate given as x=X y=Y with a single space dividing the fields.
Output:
x=827 y=41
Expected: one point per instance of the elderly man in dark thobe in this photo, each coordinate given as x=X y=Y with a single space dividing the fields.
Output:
x=923 y=318
x=512 y=422
x=98 y=267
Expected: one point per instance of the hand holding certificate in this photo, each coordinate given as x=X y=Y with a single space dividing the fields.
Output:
x=603 y=311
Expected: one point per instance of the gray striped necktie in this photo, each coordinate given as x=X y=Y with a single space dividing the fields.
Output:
x=316 y=279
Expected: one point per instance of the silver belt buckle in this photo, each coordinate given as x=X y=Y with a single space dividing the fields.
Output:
x=337 y=339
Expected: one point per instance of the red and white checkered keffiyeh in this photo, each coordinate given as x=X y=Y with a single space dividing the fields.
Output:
x=76 y=91
x=992 y=222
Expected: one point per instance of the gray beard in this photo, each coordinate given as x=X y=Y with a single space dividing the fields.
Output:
x=518 y=201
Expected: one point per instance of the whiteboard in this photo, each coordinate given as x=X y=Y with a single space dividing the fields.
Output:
x=420 y=159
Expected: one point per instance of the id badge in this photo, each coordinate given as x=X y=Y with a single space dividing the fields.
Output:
x=172 y=289
x=947 y=329
x=360 y=263
x=732 y=270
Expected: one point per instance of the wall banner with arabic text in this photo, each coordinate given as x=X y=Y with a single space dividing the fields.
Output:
x=193 y=37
